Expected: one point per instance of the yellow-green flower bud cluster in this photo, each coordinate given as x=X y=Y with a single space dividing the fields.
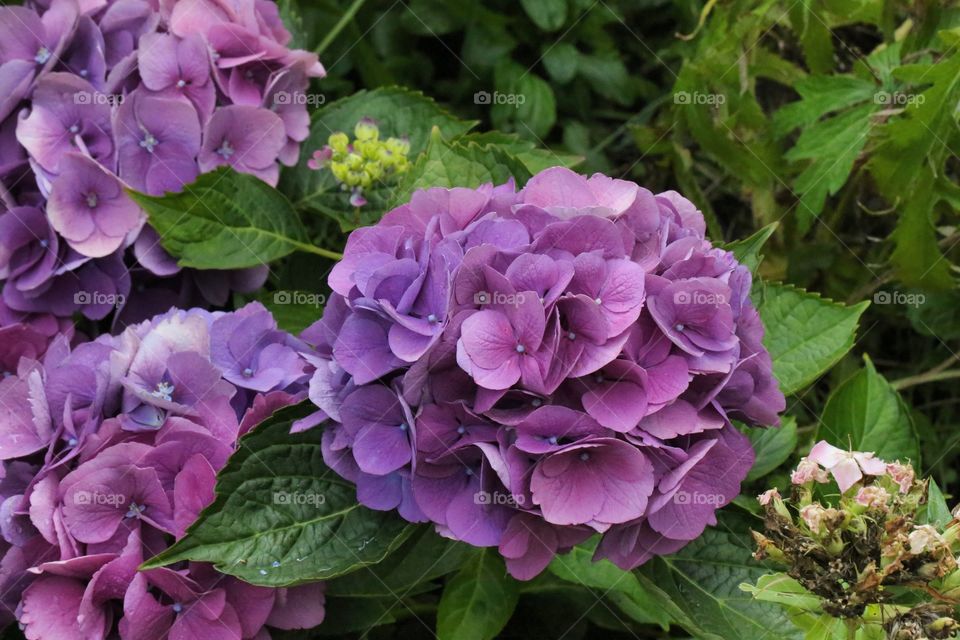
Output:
x=368 y=160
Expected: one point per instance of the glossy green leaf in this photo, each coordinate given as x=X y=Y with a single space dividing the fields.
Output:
x=607 y=579
x=772 y=446
x=424 y=557
x=478 y=601
x=534 y=158
x=821 y=95
x=805 y=334
x=782 y=589
x=525 y=102
x=225 y=220
x=936 y=511
x=865 y=413
x=702 y=582
x=747 y=250
x=281 y=517
x=451 y=164
x=831 y=147
x=560 y=60
x=548 y=15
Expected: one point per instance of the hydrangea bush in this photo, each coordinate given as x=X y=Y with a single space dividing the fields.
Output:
x=515 y=370
x=100 y=96
x=526 y=368
x=109 y=451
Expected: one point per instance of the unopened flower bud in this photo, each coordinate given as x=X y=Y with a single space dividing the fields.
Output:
x=320 y=158
x=767 y=550
x=369 y=160
x=398 y=146
x=357 y=199
x=902 y=474
x=944 y=627
x=873 y=497
x=768 y=495
x=813 y=515
x=339 y=142
x=366 y=129
x=809 y=471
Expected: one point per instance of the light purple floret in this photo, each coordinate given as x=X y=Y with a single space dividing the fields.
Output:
x=527 y=368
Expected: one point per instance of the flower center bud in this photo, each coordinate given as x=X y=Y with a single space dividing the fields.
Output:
x=164 y=391
x=177 y=607
x=92 y=200
x=43 y=54
x=521 y=348
x=679 y=326
x=584 y=456
x=135 y=510
x=181 y=83
x=149 y=142
x=226 y=150
x=248 y=373
x=431 y=318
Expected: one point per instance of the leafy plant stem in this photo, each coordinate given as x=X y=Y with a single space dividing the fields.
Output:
x=326 y=253
x=337 y=28
x=923 y=378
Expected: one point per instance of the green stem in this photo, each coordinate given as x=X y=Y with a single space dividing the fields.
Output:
x=326 y=253
x=337 y=28
x=931 y=376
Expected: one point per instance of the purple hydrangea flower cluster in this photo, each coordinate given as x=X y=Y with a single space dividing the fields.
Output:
x=99 y=95
x=109 y=451
x=524 y=369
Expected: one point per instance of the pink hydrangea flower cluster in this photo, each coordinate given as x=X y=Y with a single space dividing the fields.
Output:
x=525 y=369
x=99 y=95
x=108 y=452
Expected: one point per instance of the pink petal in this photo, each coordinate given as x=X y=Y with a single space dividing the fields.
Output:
x=827 y=455
x=871 y=465
x=846 y=473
